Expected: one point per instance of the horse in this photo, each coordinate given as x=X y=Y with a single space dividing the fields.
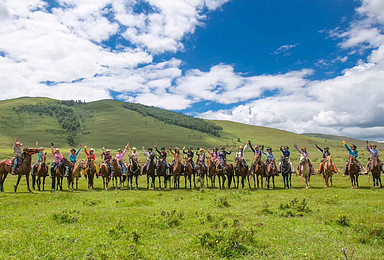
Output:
x=229 y=171
x=188 y=172
x=286 y=172
x=328 y=171
x=161 y=171
x=270 y=172
x=176 y=172
x=201 y=173
x=59 y=173
x=151 y=169
x=75 y=174
x=258 y=169
x=221 y=174
x=353 y=170
x=40 y=172
x=240 y=171
x=105 y=174
x=211 y=171
x=376 y=170
x=91 y=171
x=133 y=170
x=306 y=172
x=117 y=172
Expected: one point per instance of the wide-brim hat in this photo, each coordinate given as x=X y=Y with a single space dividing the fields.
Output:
x=353 y=146
x=18 y=143
x=215 y=148
x=202 y=150
x=134 y=148
x=373 y=145
x=286 y=147
x=257 y=146
x=269 y=148
x=162 y=148
x=91 y=150
x=72 y=150
x=222 y=148
x=107 y=150
x=241 y=147
x=326 y=147
x=119 y=150
x=189 y=148
x=149 y=149
x=57 y=149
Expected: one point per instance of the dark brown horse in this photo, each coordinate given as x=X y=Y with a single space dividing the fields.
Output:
x=201 y=173
x=270 y=173
x=176 y=172
x=211 y=171
x=286 y=172
x=90 y=170
x=376 y=170
x=23 y=168
x=353 y=170
x=151 y=166
x=161 y=171
x=221 y=175
x=117 y=172
x=105 y=174
x=134 y=170
x=77 y=169
x=41 y=171
x=258 y=170
x=188 y=173
x=60 y=172
x=240 y=172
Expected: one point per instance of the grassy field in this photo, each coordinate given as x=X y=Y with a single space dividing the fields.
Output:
x=314 y=223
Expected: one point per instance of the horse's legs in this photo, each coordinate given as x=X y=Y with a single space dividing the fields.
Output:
x=357 y=181
x=43 y=183
x=379 y=180
x=160 y=182
x=330 y=178
x=273 y=181
x=17 y=183
x=33 y=181
x=290 y=179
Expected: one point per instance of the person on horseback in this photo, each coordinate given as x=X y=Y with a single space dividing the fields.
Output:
x=134 y=153
x=352 y=152
x=270 y=157
x=304 y=154
x=256 y=149
x=149 y=153
x=57 y=157
x=214 y=154
x=325 y=153
x=223 y=156
x=107 y=159
x=201 y=158
x=189 y=154
x=91 y=155
x=286 y=154
x=373 y=152
x=176 y=156
x=120 y=158
x=162 y=155
x=73 y=158
x=39 y=159
x=240 y=155
x=17 y=152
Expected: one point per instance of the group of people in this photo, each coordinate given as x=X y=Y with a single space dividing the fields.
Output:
x=218 y=157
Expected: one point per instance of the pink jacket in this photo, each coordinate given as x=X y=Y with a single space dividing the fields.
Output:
x=215 y=156
x=120 y=156
x=57 y=157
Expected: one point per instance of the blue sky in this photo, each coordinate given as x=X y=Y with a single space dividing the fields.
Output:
x=302 y=66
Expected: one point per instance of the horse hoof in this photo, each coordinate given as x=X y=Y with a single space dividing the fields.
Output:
x=29 y=191
x=307 y=187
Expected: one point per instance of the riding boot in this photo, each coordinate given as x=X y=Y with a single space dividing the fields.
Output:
x=345 y=170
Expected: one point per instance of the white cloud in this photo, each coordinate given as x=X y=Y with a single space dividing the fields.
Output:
x=285 y=49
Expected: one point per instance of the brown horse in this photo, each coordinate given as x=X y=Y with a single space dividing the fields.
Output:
x=176 y=172
x=90 y=170
x=270 y=172
x=258 y=170
x=59 y=173
x=376 y=170
x=353 y=170
x=133 y=170
x=75 y=174
x=201 y=173
x=151 y=169
x=117 y=172
x=105 y=174
x=211 y=172
x=188 y=173
x=161 y=171
x=240 y=171
x=306 y=172
x=41 y=171
x=328 y=171
x=221 y=174
x=5 y=169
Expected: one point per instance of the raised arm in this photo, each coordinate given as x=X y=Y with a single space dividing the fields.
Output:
x=85 y=150
x=53 y=152
x=281 y=148
x=297 y=148
x=321 y=150
x=78 y=150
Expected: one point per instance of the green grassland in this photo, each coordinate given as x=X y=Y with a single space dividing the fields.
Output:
x=299 y=223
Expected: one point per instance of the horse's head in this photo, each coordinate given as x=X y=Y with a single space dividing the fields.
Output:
x=31 y=151
x=81 y=164
x=152 y=156
x=351 y=159
x=304 y=160
x=375 y=162
x=256 y=158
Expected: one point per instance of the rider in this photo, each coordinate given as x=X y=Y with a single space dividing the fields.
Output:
x=214 y=154
x=270 y=157
x=240 y=154
x=286 y=154
x=352 y=152
x=325 y=153
x=107 y=159
x=73 y=159
x=189 y=154
x=17 y=151
x=120 y=158
x=176 y=156
x=373 y=153
x=201 y=158
x=256 y=149
x=57 y=157
x=162 y=156
x=304 y=154
x=91 y=155
x=223 y=156
x=134 y=153
x=149 y=153
x=39 y=159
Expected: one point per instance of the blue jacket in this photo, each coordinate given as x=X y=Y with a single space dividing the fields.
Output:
x=73 y=158
x=353 y=153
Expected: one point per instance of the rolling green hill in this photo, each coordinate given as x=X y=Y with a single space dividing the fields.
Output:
x=108 y=123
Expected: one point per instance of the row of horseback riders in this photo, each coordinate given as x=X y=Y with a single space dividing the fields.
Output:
x=218 y=157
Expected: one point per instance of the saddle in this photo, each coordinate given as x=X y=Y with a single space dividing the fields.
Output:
x=8 y=162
